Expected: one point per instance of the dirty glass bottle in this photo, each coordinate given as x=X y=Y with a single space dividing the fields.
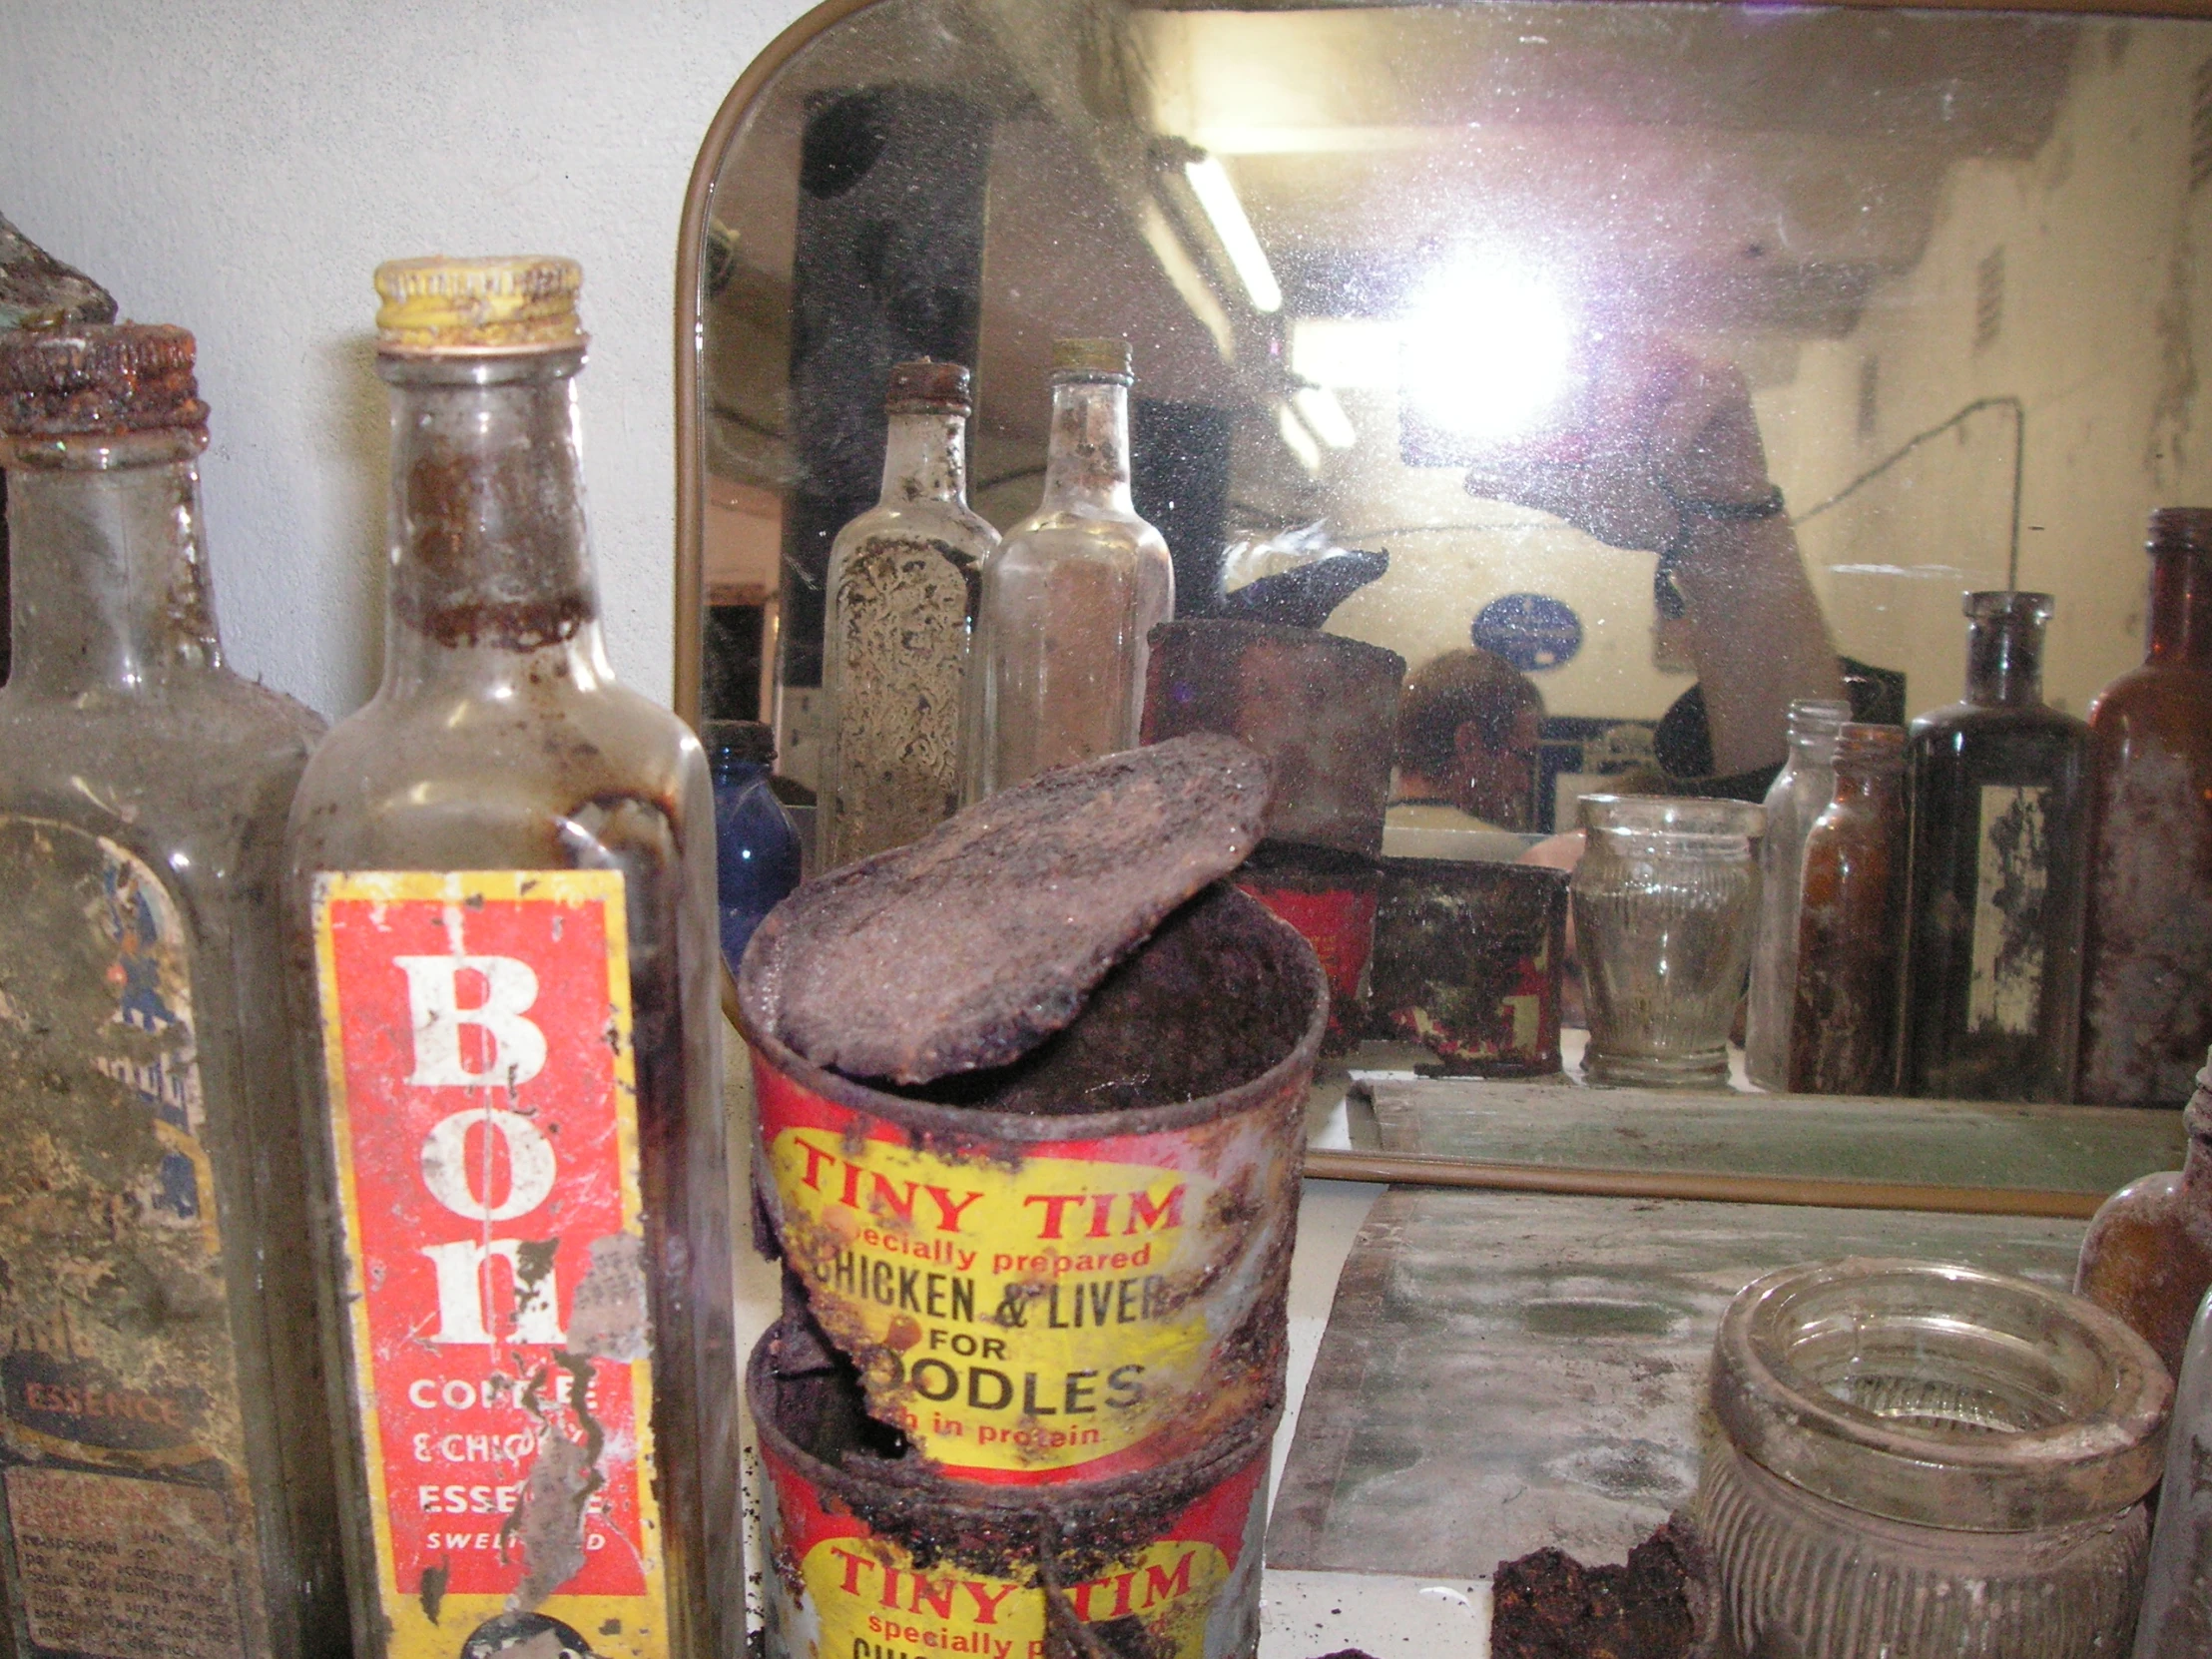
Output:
x=1843 y=1024
x=164 y=1466
x=1998 y=790
x=1072 y=594
x=903 y=583
x=1799 y=793
x=501 y=899
x=2148 y=1253
x=2147 y=980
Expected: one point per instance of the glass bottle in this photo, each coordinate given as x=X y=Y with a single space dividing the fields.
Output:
x=2176 y=1620
x=757 y=855
x=1799 y=793
x=1663 y=902
x=2148 y=1253
x=1843 y=1028
x=2147 y=976
x=1998 y=786
x=904 y=581
x=1072 y=594
x=165 y=1460
x=501 y=897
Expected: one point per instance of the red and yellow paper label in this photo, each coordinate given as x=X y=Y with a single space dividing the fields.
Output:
x=483 y=1116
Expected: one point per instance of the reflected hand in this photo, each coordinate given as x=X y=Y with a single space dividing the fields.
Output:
x=1660 y=427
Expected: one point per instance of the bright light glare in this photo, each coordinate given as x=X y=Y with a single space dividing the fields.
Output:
x=1486 y=352
x=1294 y=436
x=1324 y=417
x=1344 y=353
x=1209 y=183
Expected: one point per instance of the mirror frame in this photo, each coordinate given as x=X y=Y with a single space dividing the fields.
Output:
x=1357 y=1165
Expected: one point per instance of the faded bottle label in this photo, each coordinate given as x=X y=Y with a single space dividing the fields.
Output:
x=129 y=1520
x=2011 y=883
x=483 y=1118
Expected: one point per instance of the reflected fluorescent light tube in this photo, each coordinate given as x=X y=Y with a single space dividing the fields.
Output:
x=1209 y=184
x=1295 y=438
x=1325 y=416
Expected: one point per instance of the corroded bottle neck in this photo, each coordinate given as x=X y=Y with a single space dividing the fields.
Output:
x=2004 y=661
x=491 y=573
x=109 y=580
x=926 y=457
x=1087 y=455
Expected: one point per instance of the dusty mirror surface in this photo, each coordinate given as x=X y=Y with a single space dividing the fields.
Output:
x=1375 y=260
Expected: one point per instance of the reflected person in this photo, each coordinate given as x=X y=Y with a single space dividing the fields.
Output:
x=1468 y=723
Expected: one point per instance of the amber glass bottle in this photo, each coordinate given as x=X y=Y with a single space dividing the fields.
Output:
x=1998 y=790
x=2147 y=984
x=904 y=583
x=502 y=898
x=2148 y=1253
x=1843 y=1028
x=164 y=1465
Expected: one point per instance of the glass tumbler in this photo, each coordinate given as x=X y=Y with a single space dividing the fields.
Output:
x=1914 y=1458
x=1665 y=898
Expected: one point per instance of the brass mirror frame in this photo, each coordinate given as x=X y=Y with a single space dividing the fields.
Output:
x=1398 y=1168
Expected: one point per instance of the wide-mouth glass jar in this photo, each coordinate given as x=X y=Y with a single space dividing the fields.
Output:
x=1665 y=897
x=1917 y=1459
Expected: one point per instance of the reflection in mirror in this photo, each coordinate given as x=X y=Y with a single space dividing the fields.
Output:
x=1538 y=299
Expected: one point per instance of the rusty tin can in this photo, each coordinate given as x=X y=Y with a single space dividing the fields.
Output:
x=1330 y=898
x=1467 y=963
x=868 y=1558
x=1035 y=1293
x=1323 y=710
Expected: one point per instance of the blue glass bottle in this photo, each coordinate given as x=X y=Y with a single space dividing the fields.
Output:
x=756 y=856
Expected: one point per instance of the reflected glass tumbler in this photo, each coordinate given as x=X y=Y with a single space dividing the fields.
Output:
x=1664 y=902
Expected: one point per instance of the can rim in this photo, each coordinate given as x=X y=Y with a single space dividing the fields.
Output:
x=974 y=1124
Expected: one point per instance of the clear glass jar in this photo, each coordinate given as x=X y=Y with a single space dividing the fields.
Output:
x=1914 y=1458
x=1664 y=899
x=1800 y=793
x=1071 y=595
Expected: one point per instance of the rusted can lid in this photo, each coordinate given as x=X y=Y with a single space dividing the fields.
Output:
x=512 y=302
x=99 y=377
x=927 y=384
x=2189 y=527
x=1092 y=359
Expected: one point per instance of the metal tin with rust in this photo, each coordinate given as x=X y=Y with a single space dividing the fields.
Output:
x=867 y=1557
x=1467 y=958
x=1330 y=898
x=1322 y=707
x=1052 y=1295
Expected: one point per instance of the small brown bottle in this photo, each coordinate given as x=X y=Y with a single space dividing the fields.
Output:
x=2147 y=976
x=1843 y=1030
x=2148 y=1253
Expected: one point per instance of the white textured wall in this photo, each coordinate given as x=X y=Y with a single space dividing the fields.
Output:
x=241 y=166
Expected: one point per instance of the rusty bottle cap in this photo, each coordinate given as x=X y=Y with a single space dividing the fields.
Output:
x=1092 y=359
x=925 y=385
x=100 y=378
x=515 y=303
x=2189 y=527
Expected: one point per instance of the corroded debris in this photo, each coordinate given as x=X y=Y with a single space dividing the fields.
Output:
x=970 y=946
x=1660 y=1605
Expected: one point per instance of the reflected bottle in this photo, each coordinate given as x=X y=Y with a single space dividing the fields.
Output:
x=903 y=583
x=501 y=901
x=1843 y=1027
x=757 y=855
x=1072 y=593
x=1998 y=786
x=161 y=1395
x=1799 y=793
x=2147 y=980
x=2148 y=1253
x=2176 y=1618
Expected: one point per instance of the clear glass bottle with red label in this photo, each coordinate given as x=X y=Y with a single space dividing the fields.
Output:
x=1997 y=787
x=2146 y=1014
x=1073 y=594
x=904 y=581
x=1851 y=896
x=164 y=1465
x=502 y=898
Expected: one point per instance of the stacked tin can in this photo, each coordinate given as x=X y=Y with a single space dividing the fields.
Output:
x=1033 y=1355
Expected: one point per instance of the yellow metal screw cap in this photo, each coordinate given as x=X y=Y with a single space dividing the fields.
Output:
x=1091 y=360
x=520 y=302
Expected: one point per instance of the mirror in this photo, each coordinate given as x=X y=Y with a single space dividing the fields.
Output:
x=1955 y=257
